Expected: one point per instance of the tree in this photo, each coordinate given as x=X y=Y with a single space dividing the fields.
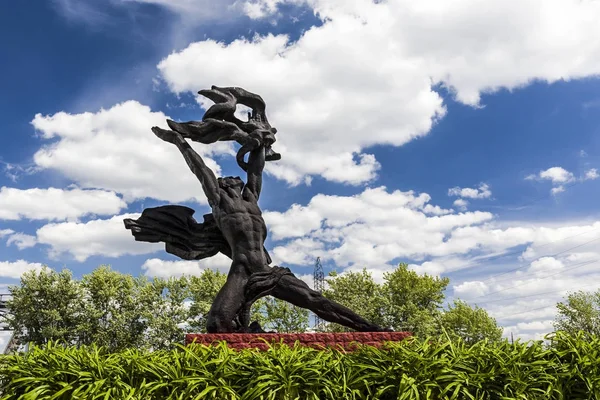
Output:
x=470 y=324
x=405 y=301
x=359 y=292
x=105 y=307
x=114 y=310
x=46 y=306
x=279 y=316
x=580 y=312
x=203 y=289
x=413 y=301
x=166 y=311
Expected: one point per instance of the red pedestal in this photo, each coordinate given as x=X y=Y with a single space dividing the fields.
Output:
x=346 y=340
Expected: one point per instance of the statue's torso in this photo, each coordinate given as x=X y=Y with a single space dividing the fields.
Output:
x=241 y=222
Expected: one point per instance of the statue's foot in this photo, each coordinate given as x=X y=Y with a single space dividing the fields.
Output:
x=165 y=134
x=377 y=328
x=254 y=327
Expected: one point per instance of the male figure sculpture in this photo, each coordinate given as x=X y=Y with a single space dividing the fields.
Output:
x=236 y=226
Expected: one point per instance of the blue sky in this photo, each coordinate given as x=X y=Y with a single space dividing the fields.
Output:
x=463 y=139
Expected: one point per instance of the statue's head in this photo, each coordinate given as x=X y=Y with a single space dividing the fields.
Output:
x=231 y=182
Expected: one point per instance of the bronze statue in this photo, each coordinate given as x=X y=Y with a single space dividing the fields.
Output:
x=235 y=227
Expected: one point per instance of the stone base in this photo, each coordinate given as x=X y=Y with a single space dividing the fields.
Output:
x=346 y=340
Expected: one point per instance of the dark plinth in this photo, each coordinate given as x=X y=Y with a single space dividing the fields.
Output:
x=345 y=340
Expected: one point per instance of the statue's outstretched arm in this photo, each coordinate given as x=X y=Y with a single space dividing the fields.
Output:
x=256 y=164
x=204 y=174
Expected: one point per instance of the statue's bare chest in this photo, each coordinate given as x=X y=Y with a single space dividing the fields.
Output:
x=232 y=206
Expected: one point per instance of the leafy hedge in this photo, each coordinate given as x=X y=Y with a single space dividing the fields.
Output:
x=412 y=369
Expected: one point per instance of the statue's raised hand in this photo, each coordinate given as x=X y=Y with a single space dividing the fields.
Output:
x=165 y=134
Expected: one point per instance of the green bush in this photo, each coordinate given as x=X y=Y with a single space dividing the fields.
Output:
x=412 y=369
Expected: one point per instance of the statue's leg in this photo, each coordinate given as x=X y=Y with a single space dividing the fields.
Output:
x=228 y=302
x=297 y=292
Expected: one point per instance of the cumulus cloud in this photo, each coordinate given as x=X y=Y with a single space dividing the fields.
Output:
x=591 y=174
x=546 y=325
x=369 y=229
x=560 y=176
x=546 y=265
x=557 y=175
x=100 y=237
x=14 y=269
x=531 y=294
x=372 y=65
x=482 y=192
x=436 y=210
x=377 y=228
x=164 y=269
x=299 y=252
x=461 y=204
x=57 y=204
x=6 y=232
x=433 y=268
x=115 y=150
x=470 y=289
x=21 y=240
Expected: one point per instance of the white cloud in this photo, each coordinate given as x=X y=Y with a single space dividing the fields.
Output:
x=461 y=204
x=15 y=171
x=298 y=252
x=546 y=265
x=6 y=232
x=560 y=176
x=101 y=237
x=376 y=228
x=483 y=192
x=369 y=229
x=557 y=175
x=371 y=66
x=57 y=204
x=296 y=221
x=432 y=268
x=14 y=269
x=308 y=279
x=470 y=289
x=546 y=325
x=115 y=150
x=21 y=240
x=436 y=210
x=164 y=269
x=591 y=174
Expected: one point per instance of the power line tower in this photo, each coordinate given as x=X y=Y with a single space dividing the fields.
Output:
x=319 y=285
